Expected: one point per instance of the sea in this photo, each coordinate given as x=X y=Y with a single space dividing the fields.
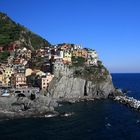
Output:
x=94 y=120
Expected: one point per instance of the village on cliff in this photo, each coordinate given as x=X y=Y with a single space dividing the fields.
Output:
x=19 y=73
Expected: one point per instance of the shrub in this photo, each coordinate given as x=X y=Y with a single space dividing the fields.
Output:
x=78 y=61
x=4 y=55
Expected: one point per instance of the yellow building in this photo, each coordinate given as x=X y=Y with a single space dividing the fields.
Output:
x=39 y=73
x=80 y=53
x=19 y=80
x=28 y=72
x=1 y=75
x=45 y=80
x=65 y=47
x=29 y=54
x=6 y=76
x=67 y=56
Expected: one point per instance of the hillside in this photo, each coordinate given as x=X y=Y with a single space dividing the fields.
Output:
x=11 y=32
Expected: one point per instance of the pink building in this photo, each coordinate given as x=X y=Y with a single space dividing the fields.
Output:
x=45 y=80
x=1 y=49
x=19 y=80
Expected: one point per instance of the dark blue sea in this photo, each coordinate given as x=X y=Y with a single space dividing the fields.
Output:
x=98 y=120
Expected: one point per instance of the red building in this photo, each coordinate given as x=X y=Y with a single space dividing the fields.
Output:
x=19 y=80
x=11 y=47
x=1 y=49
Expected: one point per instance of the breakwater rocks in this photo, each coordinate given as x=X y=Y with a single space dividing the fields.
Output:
x=23 y=107
x=129 y=101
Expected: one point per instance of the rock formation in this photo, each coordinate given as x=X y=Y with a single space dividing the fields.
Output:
x=81 y=82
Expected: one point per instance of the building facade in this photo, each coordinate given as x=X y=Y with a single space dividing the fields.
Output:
x=45 y=80
x=92 y=57
x=80 y=53
x=28 y=72
x=67 y=56
x=6 y=76
x=19 y=80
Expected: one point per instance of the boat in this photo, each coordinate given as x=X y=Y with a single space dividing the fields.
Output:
x=50 y=115
x=67 y=114
x=5 y=95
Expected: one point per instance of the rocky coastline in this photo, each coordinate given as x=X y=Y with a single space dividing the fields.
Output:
x=36 y=76
x=129 y=101
x=42 y=106
x=23 y=107
x=18 y=108
x=64 y=88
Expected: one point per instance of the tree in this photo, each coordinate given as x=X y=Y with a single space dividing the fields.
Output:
x=78 y=61
x=4 y=55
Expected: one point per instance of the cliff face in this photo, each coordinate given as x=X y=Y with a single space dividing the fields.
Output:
x=78 y=83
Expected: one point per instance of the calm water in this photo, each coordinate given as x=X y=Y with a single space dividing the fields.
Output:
x=101 y=120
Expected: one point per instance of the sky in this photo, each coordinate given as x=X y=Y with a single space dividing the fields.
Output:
x=111 y=27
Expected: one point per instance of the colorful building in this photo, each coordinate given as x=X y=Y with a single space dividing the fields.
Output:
x=60 y=53
x=6 y=76
x=58 y=65
x=64 y=46
x=1 y=77
x=92 y=54
x=80 y=53
x=77 y=47
x=92 y=57
x=29 y=54
x=19 y=68
x=40 y=73
x=1 y=49
x=67 y=56
x=45 y=80
x=28 y=72
x=19 y=80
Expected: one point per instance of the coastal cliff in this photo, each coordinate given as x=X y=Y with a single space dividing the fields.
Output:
x=69 y=84
x=41 y=75
x=81 y=82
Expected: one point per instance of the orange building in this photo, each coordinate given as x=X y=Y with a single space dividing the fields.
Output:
x=65 y=46
x=19 y=80
x=45 y=80
x=1 y=49
x=80 y=53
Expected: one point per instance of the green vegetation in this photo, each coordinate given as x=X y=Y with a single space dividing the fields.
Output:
x=11 y=31
x=36 y=41
x=4 y=55
x=78 y=61
x=36 y=63
x=96 y=74
x=100 y=65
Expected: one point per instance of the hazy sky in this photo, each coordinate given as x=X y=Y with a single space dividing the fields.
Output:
x=112 y=27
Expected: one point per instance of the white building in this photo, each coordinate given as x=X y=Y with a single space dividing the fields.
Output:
x=92 y=57
x=58 y=65
x=92 y=54
x=77 y=47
